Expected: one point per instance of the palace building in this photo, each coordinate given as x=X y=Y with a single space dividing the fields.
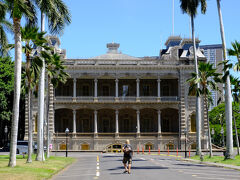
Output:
x=114 y=97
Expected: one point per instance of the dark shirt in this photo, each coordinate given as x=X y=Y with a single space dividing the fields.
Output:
x=129 y=153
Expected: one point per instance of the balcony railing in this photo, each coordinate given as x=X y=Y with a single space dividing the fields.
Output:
x=113 y=99
x=112 y=134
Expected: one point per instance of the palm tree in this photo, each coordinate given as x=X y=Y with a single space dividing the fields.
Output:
x=208 y=79
x=55 y=74
x=190 y=7
x=33 y=39
x=58 y=16
x=236 y=100
x=228 y=98
x=17 y=9
x=235 y=52
x=5 y=25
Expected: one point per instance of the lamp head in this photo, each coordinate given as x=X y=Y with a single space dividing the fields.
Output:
x=67 y=131
x=6 y=129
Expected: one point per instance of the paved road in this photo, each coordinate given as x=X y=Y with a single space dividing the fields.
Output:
x=145 y=167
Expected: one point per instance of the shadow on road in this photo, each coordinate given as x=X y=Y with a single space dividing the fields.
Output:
x=134 y=160
x=191 y=165
x=139 y=167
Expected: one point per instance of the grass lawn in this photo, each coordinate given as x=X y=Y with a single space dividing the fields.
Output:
x=220 y=159
x=34 y=170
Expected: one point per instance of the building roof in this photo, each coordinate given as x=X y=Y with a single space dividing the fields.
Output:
x=212 y=46
x=114 y=54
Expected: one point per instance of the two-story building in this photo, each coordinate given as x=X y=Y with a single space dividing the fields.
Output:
x=114 y=97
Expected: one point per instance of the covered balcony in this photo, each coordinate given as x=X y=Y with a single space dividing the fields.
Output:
x=118 y=90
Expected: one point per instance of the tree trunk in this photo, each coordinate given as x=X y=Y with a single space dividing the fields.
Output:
x=29 y=106
x=228 y=95
x=198 y=100
x=47 y=111
x=17 y=87
x=30 y=141
x=209 y=133
x=40 y=150
x=236 y=133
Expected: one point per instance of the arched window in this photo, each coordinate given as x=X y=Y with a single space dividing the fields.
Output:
x=148 y=145
x=170 y=145
x=193 y=123
x=85 y=146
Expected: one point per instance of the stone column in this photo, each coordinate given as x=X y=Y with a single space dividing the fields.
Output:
x=159 y=123
x=95 y=123
x=138 y=123
x=116 y=89
x=74 y=87
x=95 y=90
x=117 y=127
x=159 y=89
x=138 y=92
x=74 y=121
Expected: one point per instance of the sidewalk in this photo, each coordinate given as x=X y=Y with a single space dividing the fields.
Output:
x=213 y=164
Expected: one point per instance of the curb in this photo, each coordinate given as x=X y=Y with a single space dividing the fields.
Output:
x=213 y=164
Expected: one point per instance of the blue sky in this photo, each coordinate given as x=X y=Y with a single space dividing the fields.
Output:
x=141 y=27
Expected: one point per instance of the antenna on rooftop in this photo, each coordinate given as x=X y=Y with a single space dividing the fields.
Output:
x=173 y=14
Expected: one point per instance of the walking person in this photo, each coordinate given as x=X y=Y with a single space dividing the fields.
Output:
x=127 y=157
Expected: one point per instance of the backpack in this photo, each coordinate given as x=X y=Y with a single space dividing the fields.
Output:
x=127 y=149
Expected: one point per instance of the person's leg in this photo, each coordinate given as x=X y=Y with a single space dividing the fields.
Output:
x=129 y=165
x=125 y=166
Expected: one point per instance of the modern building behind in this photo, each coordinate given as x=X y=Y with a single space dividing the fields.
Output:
x=214 y=55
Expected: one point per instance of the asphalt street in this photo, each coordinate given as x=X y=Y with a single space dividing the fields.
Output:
x=145 y=167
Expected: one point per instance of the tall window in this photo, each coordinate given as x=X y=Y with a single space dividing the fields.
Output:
x=146 y=90
x=166 y=90
x=125 y=90
x=86 y=90
x=106 y=125
x=106 y=90
x=193 y=123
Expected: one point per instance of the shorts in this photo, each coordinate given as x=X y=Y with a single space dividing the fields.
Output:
x=127 y=159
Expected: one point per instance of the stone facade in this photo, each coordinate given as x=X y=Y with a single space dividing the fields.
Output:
x=114 y=97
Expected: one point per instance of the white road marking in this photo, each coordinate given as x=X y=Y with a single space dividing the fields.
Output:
x=97 y=173
x=97 y=167
x=215 y=178
x=208 y=174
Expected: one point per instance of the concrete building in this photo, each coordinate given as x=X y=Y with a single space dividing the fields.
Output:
x=114 y=97
x=214 y=55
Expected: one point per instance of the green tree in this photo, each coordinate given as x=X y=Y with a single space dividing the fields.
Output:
x=190 y=7
x=208 y=79
x=6 y=91
x=217 y=121
x=228 y=96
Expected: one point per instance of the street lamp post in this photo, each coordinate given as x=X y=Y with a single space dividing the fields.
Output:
x=67 y=131
x=213 y=132
x=185 y=132
x=6 y=133
x=222 y=132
